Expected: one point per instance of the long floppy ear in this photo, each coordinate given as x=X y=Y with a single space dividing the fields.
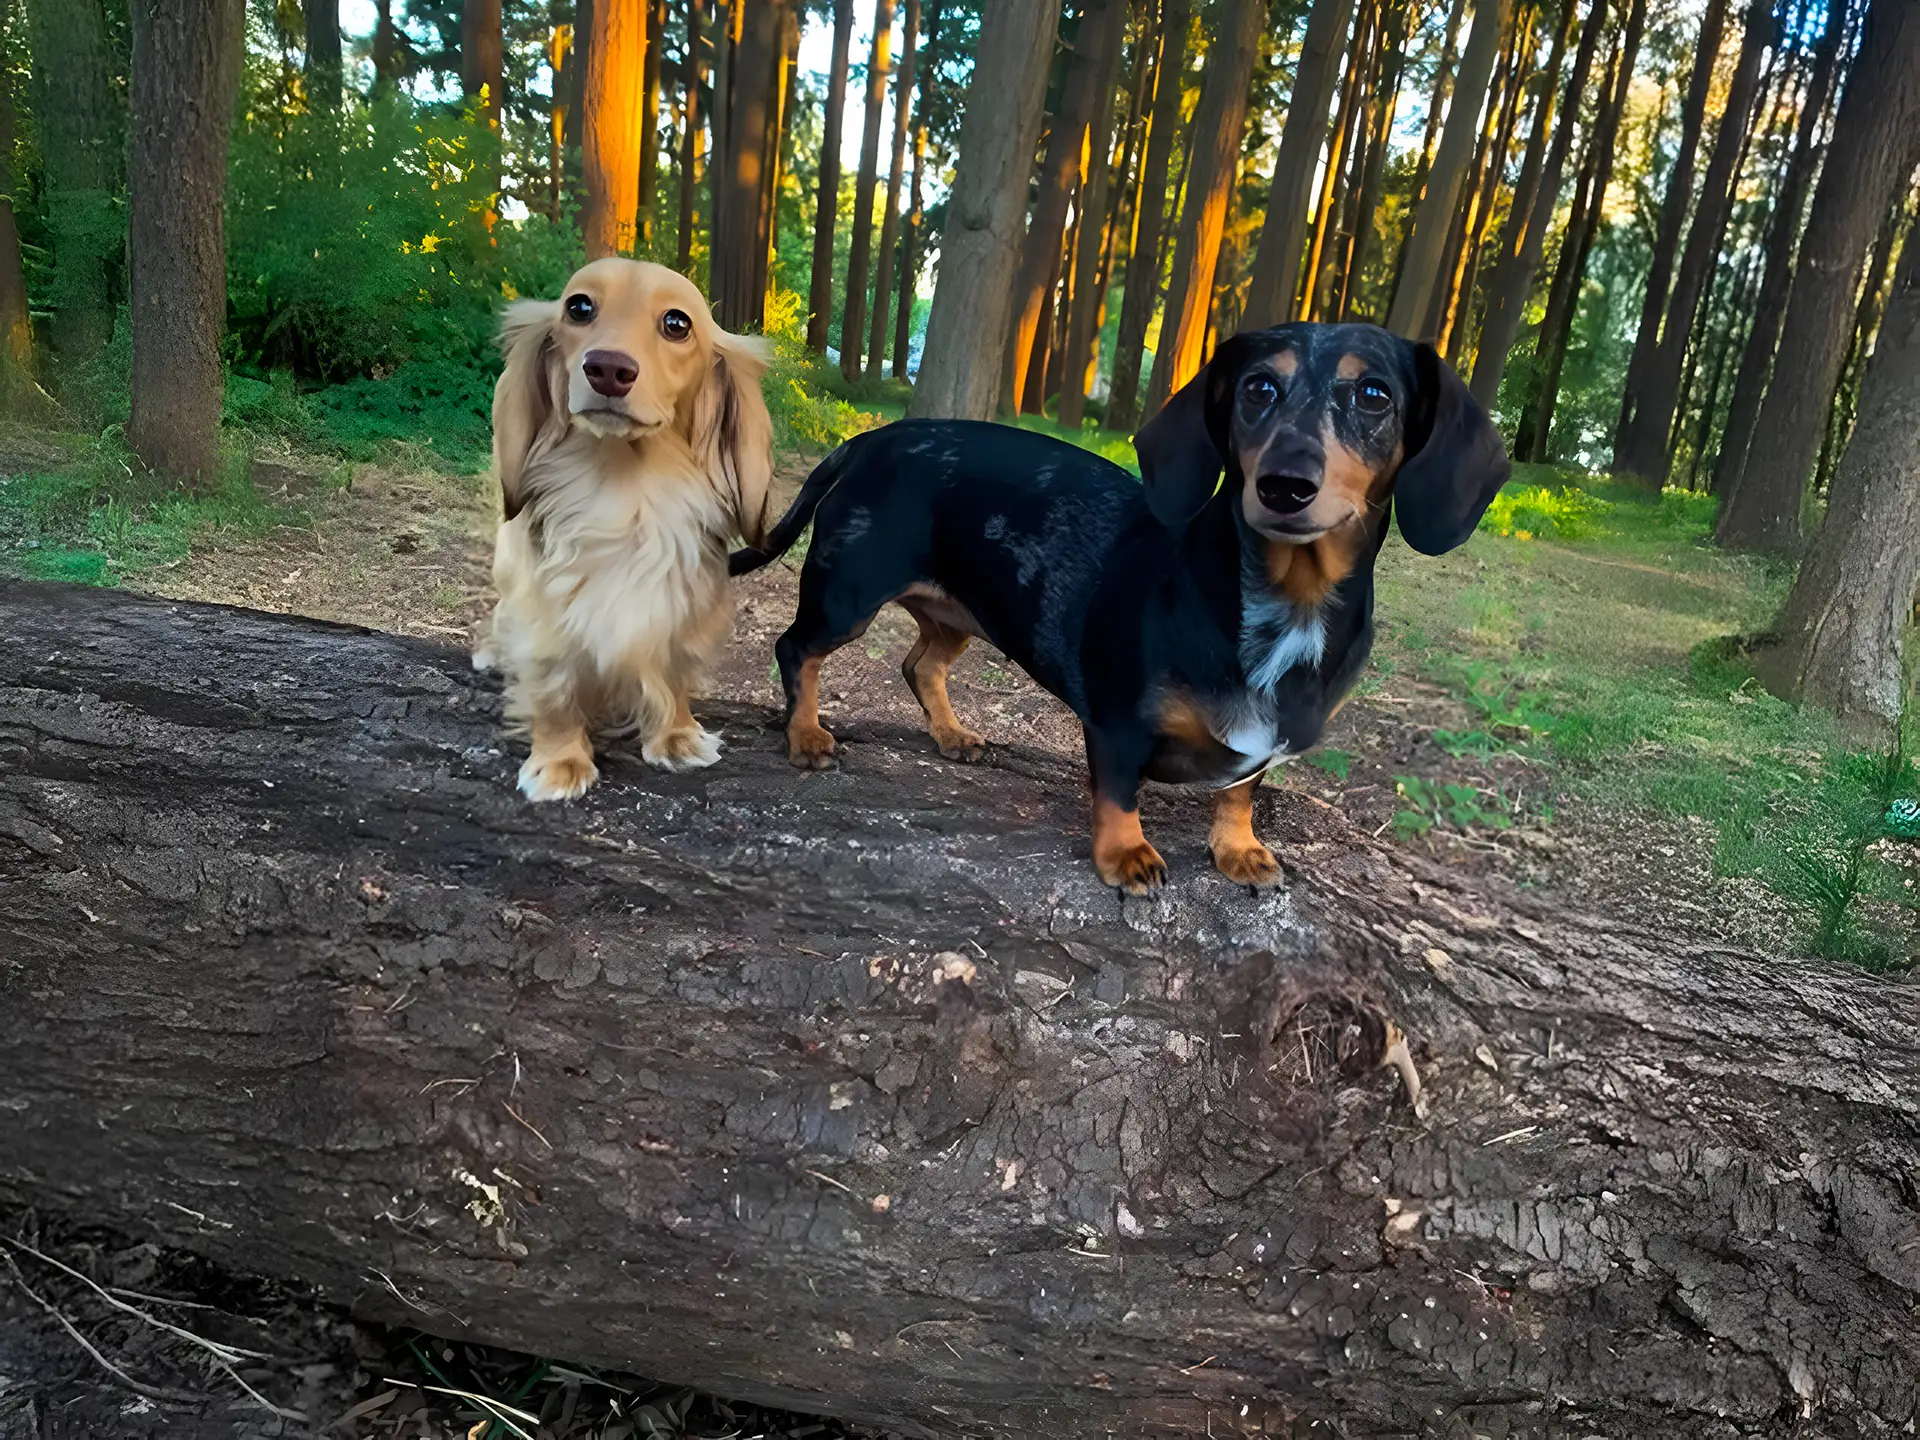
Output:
x=1183 y=449
x=732 y=432
x=530 y=413
x=1455 y=462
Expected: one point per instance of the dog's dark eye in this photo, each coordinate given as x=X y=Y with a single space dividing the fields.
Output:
x=676 y=325
x=1261 y=390
x=1372 y=398
x=581 y=309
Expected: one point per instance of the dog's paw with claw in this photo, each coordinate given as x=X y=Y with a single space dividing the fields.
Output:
x=557 y=777
x=687 y=749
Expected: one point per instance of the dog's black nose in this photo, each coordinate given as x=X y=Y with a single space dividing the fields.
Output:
x=1286 y=494
x=610 y=373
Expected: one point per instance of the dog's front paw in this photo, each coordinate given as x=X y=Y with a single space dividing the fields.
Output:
x=960 y=743
x=686 y=749
x=811 y=748
x=1247 y=864
x=557 y=777
x=1136 y=869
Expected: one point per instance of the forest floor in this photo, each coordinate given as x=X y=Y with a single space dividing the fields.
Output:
x=1558 y=706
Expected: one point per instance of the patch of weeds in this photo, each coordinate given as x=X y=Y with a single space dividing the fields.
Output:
x=1332 y=761
x=1477 y=743
x=1500 y=700
x=1426 y=803
x=1530 y=512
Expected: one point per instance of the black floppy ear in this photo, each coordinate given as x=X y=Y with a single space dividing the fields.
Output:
x=1183 y=448
x=1455 y=462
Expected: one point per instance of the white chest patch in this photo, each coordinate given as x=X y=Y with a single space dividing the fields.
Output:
x=1275 y=637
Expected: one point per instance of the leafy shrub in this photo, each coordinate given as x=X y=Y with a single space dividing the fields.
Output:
x=1527 y=512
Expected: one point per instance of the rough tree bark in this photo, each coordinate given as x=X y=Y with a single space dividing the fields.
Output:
x=1769 y=306
x=860 y=1094
x=1101 y=23
x=1673 y=217
x=980 y=246
x=853 y=308
x=692 y=133
x=911 y=232
x=616 y=58
x=1339 y=148
x=1871 y=155
x=1460 y=269
x=1420 y=270
x=896 y=178
x=483 y=56
x=649 y=182
x=1644 y=456
x=389 y=50
x=738 y=264
x=1512 y=283
x=1385 y=104
x=1841 y=641
x=826 y=208
x=1143 y=261
x=324 y=68
x=1283 y=233
x=1090 y=254
x=16 y=320
x=186 y=77
x=1213 y=163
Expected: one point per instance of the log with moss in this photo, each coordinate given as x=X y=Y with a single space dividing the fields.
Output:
x=858 y=1093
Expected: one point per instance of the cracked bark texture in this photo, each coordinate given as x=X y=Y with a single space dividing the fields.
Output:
x=291 y=976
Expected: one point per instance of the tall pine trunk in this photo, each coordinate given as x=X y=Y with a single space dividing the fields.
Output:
x=691 y=136
x=324 y=71
x=16 y=321
x=186 y=77
x=483 y=56
x=738 y=264
x=826 y=209
x=1673 y=217
x=1460 y=270
x=960 y=370
x=1385 y=102
x=1841 y=635
x=853 y=312
x=649 y=182
x=1090 y=252
x=1339 y=145
x=1783 y=234
x=616 y=55
x=910 y=234
x=1512 y=285
x=1283 y=234
x=1426 y=246
x=1869 y=159
x=1060 y=174
x=1643 y=458
x=896 y=178
x=1211 y=170
x=1143 y=261
x=388 y=48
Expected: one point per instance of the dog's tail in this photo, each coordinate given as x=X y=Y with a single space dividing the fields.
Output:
x=787 y=528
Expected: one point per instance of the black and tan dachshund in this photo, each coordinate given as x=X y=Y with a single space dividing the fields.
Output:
x=1201 y=625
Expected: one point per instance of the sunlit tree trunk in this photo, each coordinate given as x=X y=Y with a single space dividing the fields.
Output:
x=910 y=235
x=1283 y=233
x=896 y=179
x=1869 y=159
x=649 y=181
x=324 y=71
x=1339 y=143
x=780 y=100
x=1420 y=274
x=1436 y=108
x=960 y=369
x=1380 y=115
x=1143 y=260
x=1454 y=295
x=1211 y=169
x=1083 y=315
x=615 y=62
x=1519 y=260
x=826 y=210
x=186 y=76
x=692 y=135
x=387 y=49
x=16 y=321
x=1866 y=320
x=738 y=264
x=853 y=313
x=483 y=56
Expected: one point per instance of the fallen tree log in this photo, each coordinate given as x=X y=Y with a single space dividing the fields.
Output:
x=857 y=1092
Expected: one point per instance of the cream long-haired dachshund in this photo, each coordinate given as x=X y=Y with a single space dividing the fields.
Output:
x=631 y=442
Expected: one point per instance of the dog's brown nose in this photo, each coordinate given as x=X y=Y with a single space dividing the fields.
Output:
x=610 y=373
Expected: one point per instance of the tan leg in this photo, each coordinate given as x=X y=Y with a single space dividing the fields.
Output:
x=1237 y=854
x=1121 y=853
x=809 y=746
x=926 y=670
x=682 y=743
x=561 y=765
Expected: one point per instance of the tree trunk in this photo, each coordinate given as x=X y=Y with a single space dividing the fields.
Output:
x=1525 y=238
x=1283 y=233
x=1084 y=316
x=780 y=99
x=826 y=210
x=691 y=137
x=17 y=386
x=960 y=368
x=186 y=78
x=910 y=234
x=896 y=178
x=1841 y=643
x=1673 y=217
x=1143 y=260
x=853 y=312
x=649 y=182
x=1460 y=271
x=1869 y=159
x=1211 y=169
x=1437 y=101
x=1535 y=439
x=1644 y=459
x=324 y=70
x=616 y=55
x=738 y=264
x=1385 y=103
x=1339 y=147
x=1420 y=270
x=388 y=49
x=905 y=1118
x=1866 y=321
x=726 y=36
x=1769 y=307
x=77 y=115
x=1102 y=24
x=483 y=56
